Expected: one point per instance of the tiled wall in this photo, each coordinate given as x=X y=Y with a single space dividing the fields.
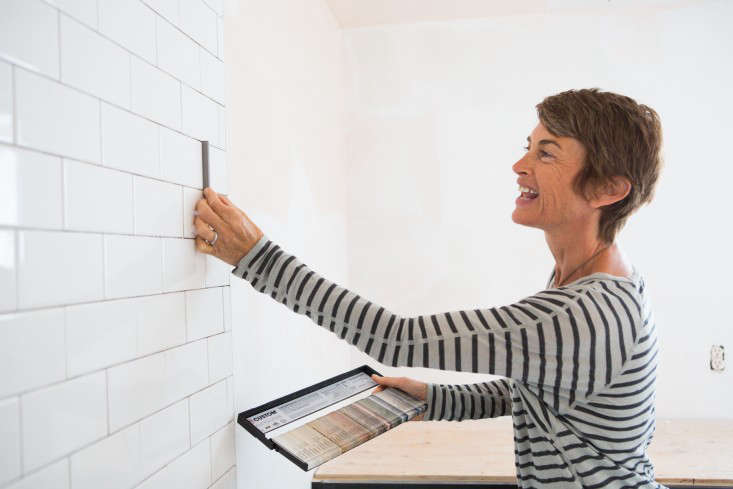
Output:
x=115 y=342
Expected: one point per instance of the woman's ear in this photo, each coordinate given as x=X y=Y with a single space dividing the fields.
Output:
x=613 y=190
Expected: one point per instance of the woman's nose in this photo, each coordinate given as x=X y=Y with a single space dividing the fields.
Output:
x=520 y=167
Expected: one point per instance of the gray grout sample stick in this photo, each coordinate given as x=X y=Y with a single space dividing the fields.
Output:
x=205 y=161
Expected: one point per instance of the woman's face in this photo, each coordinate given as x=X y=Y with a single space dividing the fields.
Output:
x=548 y=169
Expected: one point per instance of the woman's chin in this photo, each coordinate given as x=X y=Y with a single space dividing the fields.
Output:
x=520 y=217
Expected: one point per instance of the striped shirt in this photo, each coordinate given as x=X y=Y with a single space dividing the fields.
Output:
x=578 y=365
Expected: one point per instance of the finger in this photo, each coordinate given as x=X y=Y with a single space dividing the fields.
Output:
x=214 y=201
x=203 y=229
x=203 y=246
x=385 y=381
x=226 y=200
x=208 y=215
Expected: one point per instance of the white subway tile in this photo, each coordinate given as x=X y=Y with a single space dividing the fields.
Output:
x=62 y=418
x=129 y=142
x=164 y=436
x=227 y=291
x=55 y=118
x=229 y=481
x=130 y=23
x=156 y=94
x=113 y=463
x=222 y=451
x=166 y=8
x=6 y=102
x=220 y=35
x=158 y=208
x=99 y=335
x=210 y=410
x=55 y=476
x=132 y=266
x=59 y=268
x=9 y=440
x=190 y=198
x=213 y=77
x=97 y=198
x=161 y=322
x=82 y=10
x=180 y=159
x=32 y=352
x=93 y=63
x=8 y=299
x=178 y=54
x=200 y=116
x=31 y=185
x=188 y=368
x=199 y=22
x=40 y=51
x=219 y=170
x=204 y=313
x=183 y=267
x=143 y=386
x=136 y=389
x=190 y=471
x=217 y=272
x=220 y=356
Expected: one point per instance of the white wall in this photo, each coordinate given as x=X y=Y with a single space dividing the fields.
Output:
x=115 y=349
x=287 y=172
x=440 y=111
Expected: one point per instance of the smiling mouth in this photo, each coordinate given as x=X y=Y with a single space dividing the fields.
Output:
x=527 y=193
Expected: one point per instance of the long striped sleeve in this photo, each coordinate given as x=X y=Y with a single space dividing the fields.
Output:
x=468 y=401
x=565 y=344
x=578 y=364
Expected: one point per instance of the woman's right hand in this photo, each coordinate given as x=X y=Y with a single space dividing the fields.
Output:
x=415 y=388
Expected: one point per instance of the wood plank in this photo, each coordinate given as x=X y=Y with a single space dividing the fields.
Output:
x=683 y=451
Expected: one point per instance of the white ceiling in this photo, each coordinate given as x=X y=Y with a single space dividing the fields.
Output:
x=360 y=13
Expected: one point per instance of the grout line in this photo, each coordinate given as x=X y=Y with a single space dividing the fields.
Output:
x=20 y=436
x=66 y=343
x=190 y=436
x=101 y=138
x=62 y=164
x=14 y=99
x=58 y=39
x=155 y=35
x=16 y=263
x=211 y=458
x=106 y=393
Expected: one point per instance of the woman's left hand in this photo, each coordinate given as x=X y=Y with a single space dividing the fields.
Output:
x=222 y=229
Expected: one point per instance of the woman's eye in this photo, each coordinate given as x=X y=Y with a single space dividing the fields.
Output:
x=544 y=154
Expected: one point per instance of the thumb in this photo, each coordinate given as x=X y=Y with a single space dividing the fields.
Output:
x=214 y=201
x=385 y=381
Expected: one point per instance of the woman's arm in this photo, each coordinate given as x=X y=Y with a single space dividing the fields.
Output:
x=562 y=344
x=469 y=401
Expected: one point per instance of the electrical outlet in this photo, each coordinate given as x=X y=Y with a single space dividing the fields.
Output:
x=717 y=358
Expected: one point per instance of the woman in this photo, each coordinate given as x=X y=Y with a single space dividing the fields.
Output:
x=578 y=358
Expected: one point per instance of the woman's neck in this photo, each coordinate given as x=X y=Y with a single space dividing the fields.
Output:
x=574 y=255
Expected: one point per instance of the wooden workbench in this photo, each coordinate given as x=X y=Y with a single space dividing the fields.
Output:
x=480 y=453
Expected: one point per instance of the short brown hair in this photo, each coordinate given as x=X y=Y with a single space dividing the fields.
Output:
x=621 y=138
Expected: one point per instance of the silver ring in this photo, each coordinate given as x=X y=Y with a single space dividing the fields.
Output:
x=216 y=236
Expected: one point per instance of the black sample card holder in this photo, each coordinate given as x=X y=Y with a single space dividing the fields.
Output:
x=319 y=439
